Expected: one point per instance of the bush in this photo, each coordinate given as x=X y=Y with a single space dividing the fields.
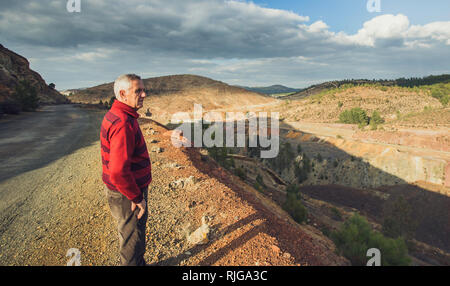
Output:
x=241 y=173
x=111 y=101
x=293 y=189
x=319 y=157
x=284 y=158
x=301 y=172
x=336 y=214
x=26 y=96
x=356 y=237
x=294 y=206
x=260 y=180
x=398 y=219
x=376 y=118
x=354 y=116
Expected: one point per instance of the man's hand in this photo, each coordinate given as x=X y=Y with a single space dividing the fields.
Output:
x=142 y=206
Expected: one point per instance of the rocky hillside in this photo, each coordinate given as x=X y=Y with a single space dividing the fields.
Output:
x=178 y=93
x=395 y=104
x=15 y=68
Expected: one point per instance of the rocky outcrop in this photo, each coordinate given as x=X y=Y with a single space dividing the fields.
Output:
x=359 y=164
x=15 y=68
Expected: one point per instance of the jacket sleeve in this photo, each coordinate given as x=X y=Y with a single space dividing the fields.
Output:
x=121 y=150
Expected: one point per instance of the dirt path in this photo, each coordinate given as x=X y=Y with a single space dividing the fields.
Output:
x=46 y=158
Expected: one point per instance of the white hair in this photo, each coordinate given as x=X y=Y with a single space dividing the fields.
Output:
x=123 y=82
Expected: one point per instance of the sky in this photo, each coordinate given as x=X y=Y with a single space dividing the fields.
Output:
x=291 y=42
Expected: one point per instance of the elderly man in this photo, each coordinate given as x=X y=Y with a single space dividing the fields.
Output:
x=126 y=167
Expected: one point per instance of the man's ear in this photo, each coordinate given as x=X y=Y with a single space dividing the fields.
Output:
x=122 y=95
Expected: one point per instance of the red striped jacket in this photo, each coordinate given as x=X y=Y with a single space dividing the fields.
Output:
x=126 y=164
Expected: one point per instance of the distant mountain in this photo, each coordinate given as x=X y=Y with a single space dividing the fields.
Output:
x=273 y=89
x=178 y=93
x=15 y=68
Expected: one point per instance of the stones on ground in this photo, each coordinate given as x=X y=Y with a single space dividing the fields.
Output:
x=174 y=166
x=182 y=183
x=151 y=132
x=287 y=255
x=200 y=235
x=275 y=249
x=157 y=149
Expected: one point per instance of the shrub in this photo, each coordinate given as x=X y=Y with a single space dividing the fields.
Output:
x=398 y=219
x=284 y=158
x=336 y=214
x=111 y=101
x=258 y=187
x=376 y=118
x=241 y=173
x=340 y=104
x=354 y=116
x=373 y=125
x=26 y=96
x=319 y=157
x=335 y=163
x=301 y=172
x=260 y=180
x=294 y=206
x=293 y=189
x=356 y=237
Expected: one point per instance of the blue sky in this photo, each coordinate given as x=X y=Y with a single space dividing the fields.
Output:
x=259 y=43
x=348 y=15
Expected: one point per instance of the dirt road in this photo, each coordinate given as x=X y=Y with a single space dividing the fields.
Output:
x=33 y=152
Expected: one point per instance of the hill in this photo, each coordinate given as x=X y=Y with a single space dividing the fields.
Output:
x=397 y=105
x=273 y=89
x=402 y=82
x=15 y=68
x=178 y=93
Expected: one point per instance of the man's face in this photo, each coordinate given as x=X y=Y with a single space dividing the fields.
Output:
x=134 y=96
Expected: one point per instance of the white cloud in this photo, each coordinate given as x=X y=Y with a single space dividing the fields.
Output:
x=397 y=27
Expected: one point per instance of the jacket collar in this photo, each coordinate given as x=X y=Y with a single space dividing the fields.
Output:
x=125 y=108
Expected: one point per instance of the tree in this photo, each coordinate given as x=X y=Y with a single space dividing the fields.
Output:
x=26 y=96
x=398 y=220
x=354 y=116
x=294 y=206
x=375 y=120
x=52 y=85
x=111 y=101
x=356 y=237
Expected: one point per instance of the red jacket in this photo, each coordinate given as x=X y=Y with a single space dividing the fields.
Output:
x=126 y=164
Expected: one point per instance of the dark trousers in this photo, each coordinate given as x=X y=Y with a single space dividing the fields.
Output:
x=131 y=230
